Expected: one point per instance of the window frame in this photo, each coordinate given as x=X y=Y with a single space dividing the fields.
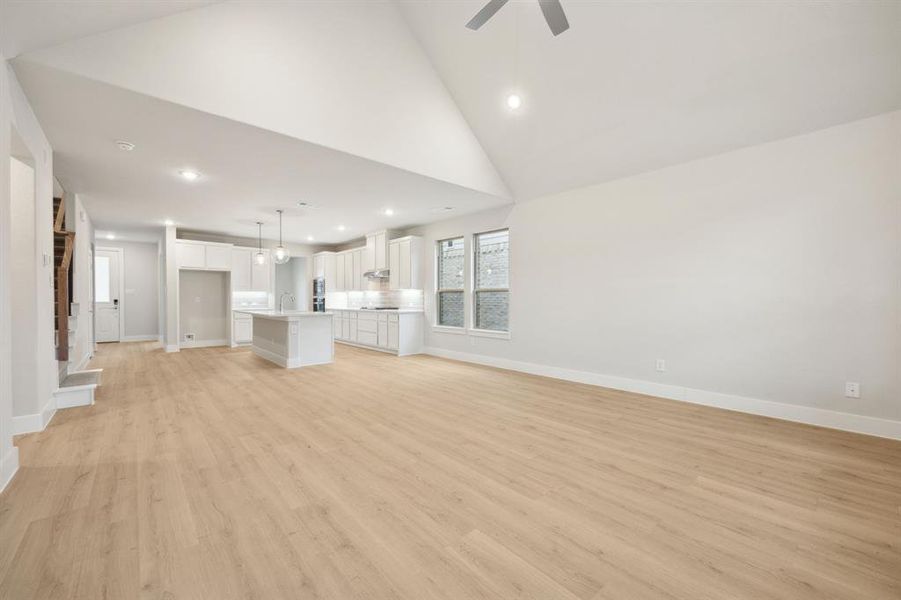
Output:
x=474 y=289
x=438 y=326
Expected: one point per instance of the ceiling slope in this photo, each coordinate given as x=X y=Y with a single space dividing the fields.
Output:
x=246 y=172
x=27 y=25
x=344 y=75
x=636 y=86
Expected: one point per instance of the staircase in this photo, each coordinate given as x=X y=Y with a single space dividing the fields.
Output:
x=63 y=246
x=76 y=388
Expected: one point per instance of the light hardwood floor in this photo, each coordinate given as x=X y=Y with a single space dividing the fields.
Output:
x=211 y=474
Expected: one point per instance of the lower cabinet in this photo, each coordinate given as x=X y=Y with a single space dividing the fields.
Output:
x=242 y=328
x=394 y=332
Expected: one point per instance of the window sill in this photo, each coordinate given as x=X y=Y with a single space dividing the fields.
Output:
x=446 y=329
x=488 y=333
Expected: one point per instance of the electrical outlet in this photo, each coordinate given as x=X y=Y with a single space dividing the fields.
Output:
x=852 y=389
x=189 y=337
x=661 y=365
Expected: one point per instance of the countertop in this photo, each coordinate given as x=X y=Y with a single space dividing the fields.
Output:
x=288 y=315
x=389 y=310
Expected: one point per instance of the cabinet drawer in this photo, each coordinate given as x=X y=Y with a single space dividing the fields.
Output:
x=366 y=316
x=370 y=338
x=367 y=325
x=392 y=318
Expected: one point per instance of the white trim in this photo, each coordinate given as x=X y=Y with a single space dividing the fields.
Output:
x=449 y=329
x=202 y=344
x=35 y=422
x=140 y=338
x=82 y=363
x=9 y=464
x=172 y=348
x=384 y=349
x=832 y=419
x=489 y=333
x=291 y=363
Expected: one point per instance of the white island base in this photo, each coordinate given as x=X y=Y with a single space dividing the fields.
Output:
x=293 y=339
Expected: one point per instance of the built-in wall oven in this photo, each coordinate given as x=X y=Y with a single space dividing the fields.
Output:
x=319 y=294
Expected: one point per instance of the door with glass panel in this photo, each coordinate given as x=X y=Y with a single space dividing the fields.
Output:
x=106 y=295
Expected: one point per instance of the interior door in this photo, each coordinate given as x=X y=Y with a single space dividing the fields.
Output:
x=106 y=295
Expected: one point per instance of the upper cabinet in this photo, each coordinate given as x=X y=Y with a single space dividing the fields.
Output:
x=375 y=255
x=247 y=275
x=209 y=256
x=404 y=262
x=324 y=267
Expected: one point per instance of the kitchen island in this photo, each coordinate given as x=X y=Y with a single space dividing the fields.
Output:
x=293 y=338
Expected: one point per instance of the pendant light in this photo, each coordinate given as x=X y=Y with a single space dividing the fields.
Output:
x=260 y=258
x=281 y=254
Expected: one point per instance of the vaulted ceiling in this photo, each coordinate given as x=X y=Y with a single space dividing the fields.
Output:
x=358 y=106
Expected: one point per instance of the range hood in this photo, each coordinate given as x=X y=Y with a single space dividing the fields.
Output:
x=377 y=274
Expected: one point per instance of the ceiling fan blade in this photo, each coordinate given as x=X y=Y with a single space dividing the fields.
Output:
x=554 y=15
x=486 y=13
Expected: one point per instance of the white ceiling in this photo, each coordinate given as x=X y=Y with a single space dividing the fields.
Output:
x=635 y=86
x=357 y=106
x=31 y=24
x=247 y=172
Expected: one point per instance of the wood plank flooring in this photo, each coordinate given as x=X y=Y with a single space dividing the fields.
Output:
x=211 y=474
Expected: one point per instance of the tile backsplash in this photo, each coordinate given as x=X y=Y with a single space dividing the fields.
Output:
x=375 y=299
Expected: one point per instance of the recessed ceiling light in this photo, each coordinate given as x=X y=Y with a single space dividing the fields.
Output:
x=168 y=222
x=190 y=175
x=111 y=236
x=389 y=212
x=341 y=227
x=125 y=146
x=309 y=238
x=514 y=101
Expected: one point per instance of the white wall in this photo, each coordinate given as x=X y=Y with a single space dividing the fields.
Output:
x=293 y=277
x=23 y=287
x=79 y=221
x=15 y=113
x=203 y=306
x=141 y=302
x=768 y=273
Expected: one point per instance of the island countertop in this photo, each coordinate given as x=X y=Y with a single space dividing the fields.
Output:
x=288 y=315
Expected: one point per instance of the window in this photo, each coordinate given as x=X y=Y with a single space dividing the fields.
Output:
x=449 y=267
x=101 y=279
x=491 y=280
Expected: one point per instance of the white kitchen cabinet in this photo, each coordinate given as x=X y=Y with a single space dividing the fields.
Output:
x=218 y=258
x=241 y=259
x=242 y=328
x=405 y=259
x=324 y=268
x=358 y=269
x=247 y=275
x=339 y=273
x=206 y=256
x=190 y=256
x=375 y=255
x=398 y=333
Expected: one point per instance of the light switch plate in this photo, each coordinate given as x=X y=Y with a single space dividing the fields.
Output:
x=852 y=389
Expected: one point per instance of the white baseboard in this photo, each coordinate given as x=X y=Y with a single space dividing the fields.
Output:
x=140 y=338
x=9 y=464
x=202 y=344
x=172 y=348
x=35 y=422
x=832 y=419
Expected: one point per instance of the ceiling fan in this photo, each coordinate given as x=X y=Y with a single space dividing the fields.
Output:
x=553 y=14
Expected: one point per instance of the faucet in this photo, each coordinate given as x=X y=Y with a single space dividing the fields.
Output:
x=281 y=300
